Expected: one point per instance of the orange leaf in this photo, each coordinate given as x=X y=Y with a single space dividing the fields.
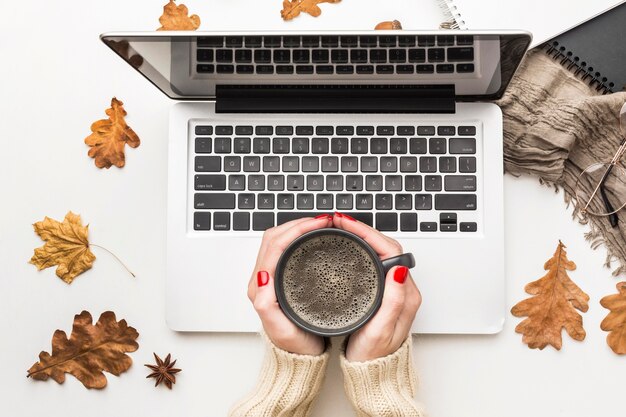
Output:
x=293 y=8
x=109 y=137
x=553 y=306
x=66 y=246
x=90 y=350
x=177 y=18
x=615 y=321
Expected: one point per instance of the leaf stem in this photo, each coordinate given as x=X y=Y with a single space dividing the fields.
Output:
x=115 y=256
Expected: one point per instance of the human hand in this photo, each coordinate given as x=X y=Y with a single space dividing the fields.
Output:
x=281 y=331
x=390 y=326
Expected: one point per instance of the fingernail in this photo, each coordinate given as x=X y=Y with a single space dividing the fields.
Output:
x=324 y=216
x=344 y=216
x=400 y=274
x=262 y=278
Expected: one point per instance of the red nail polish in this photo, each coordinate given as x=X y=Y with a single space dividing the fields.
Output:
x=337 y=214
x=400 y=274
x=345 y=216
x=324 y=216
x=262 y=278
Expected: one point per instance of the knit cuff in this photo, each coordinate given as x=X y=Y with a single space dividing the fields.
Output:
x=287 y=385
x=383 y=387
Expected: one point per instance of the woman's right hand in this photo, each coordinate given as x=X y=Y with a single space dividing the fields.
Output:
x=390 y=326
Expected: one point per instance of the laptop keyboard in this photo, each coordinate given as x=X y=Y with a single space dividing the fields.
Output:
x=342 y=55
x=402 y=178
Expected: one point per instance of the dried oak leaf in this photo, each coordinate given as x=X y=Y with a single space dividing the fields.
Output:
x=293 y=8
x=615 y=321
x=110 y=136
x=176 y=17
x=66 y=245
x=553 y=306
x=90 y=350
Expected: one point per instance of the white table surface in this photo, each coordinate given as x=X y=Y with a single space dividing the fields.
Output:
x=56 y=78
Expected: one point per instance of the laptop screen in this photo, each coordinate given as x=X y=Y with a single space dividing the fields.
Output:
x=191 y=65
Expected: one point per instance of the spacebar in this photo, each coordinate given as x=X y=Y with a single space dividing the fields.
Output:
x=287 y=216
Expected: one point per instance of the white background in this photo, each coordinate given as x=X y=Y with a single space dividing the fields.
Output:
x=57 y=78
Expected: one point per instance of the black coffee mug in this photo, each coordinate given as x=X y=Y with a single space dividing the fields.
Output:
x=382 y=267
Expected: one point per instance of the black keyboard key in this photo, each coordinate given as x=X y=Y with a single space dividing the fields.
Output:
x=271 y=41
x=300 y=145
x=358 y=56
x=437 y=146
x=204 y=130
x=324 y=130
x=211 y=41
x=330 y=164
x=364 y=69
x=262 y=221
x=241 y=221
x=245 y=69
x=428 y=164
x=203 y=145
x=460 y=183
x=446 y=130
x=413 y=183
x=428 y=227
x=369 y=164
x=368 y=41
x=264 y=69
x=284 y=69
x=265 y=202
x=234 y=41
x=468 y=227
x=461 y=54
x=387 y=222
x=295 y=182
x=263 y=56
x=374 y=182
x=310 y=41
x=364 y=201
x=242 y=145
x=404 y=202
x=319 y=56
x=436 y=55
x=275 y=183
x=426 y=130
x=354 y=182
x=218 y=201
x=445 y=40
x=367 y=218
x=334 y=183
x=330 y=41
x=432 y=183
x=243 y=55
x=406 y=40
x=304 y=130
x=344 y=69
x=397 y=56
x=447 y=164
x=417 y=55
x=417 y=145
x=385 y=130
x=243 y=130
x=349 y=41
x=384 y=201
x=365 y=130
x=224 y=55
x=378 y=146
x=384 y=69
x=349 y=164
x=344 y=202
x=236 y=182
x=284 y=130
x=251 y=164
x=256 y=182
x=310 y=164
x=204 y=55
x=408 y=164
x=246 y=201
x=223 y=130
x=378 y=56
x=408 y=222
x=253 y=41
x=455 y=202
x=222 y=145
x=445 y=68
x=208 y=163
x=221 y=221
x=426 y=40
x=404 y=69
x=315 y=183
x=280 y=145
x=339 y=56
x=358 y=145
x=388 y=164
x=324 y=69
x=465 y=40
x=286 y=216
x=467 y=164
x=324 y=201
x=464 y=68
x=462 y=131
x=210 y=182
x=424 y=69
x=397 y=145
x=393 y=183
x=202 y=220
x=282 y=56
x=305 y=201
x=291 y=41
x=387 y=40
x=423 y=201
x=345 y=130
x=446 y=227
x=225 y=69
x=319 y=145
x=301 y=56
x=291 y=164
x=447 y=217
x=261 y=145
x=285 y=202
x=463 y=145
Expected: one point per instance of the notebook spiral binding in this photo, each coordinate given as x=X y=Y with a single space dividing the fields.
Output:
x=454 y=20
x=578 y=68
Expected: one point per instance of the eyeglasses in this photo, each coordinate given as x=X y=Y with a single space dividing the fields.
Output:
x=601 y=187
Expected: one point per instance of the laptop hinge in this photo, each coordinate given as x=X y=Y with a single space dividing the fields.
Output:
x=335 y=99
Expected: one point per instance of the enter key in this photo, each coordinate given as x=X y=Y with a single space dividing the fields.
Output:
x=460 y=183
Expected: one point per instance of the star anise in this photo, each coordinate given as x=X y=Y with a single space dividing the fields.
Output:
x=163 y=371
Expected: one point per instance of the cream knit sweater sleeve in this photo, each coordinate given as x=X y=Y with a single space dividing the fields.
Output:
x=287 y=385
x=383 y=387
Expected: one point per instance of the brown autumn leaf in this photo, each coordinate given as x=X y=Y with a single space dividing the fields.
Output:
x=90 y=350
x=615 y=321
x=176 y=17
x=109 y=136
x=553 y=306
x=389 y=25
x=66 y=245
x=293 y=8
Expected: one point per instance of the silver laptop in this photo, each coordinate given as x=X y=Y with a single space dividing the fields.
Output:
x=389 y=127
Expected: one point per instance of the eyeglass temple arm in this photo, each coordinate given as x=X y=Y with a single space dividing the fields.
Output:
x=613 y=219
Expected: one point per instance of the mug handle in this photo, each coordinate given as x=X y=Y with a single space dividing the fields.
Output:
x=406 y=259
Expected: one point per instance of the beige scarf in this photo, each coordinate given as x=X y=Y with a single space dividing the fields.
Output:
x=556 y=125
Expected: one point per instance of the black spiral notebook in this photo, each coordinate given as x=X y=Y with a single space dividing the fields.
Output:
x=596 y=50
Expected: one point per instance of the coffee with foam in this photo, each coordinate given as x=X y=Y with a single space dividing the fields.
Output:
x=330 y=281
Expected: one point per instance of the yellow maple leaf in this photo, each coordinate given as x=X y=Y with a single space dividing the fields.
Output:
x=66 y=245
x=176 y=17
x=109 y=136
